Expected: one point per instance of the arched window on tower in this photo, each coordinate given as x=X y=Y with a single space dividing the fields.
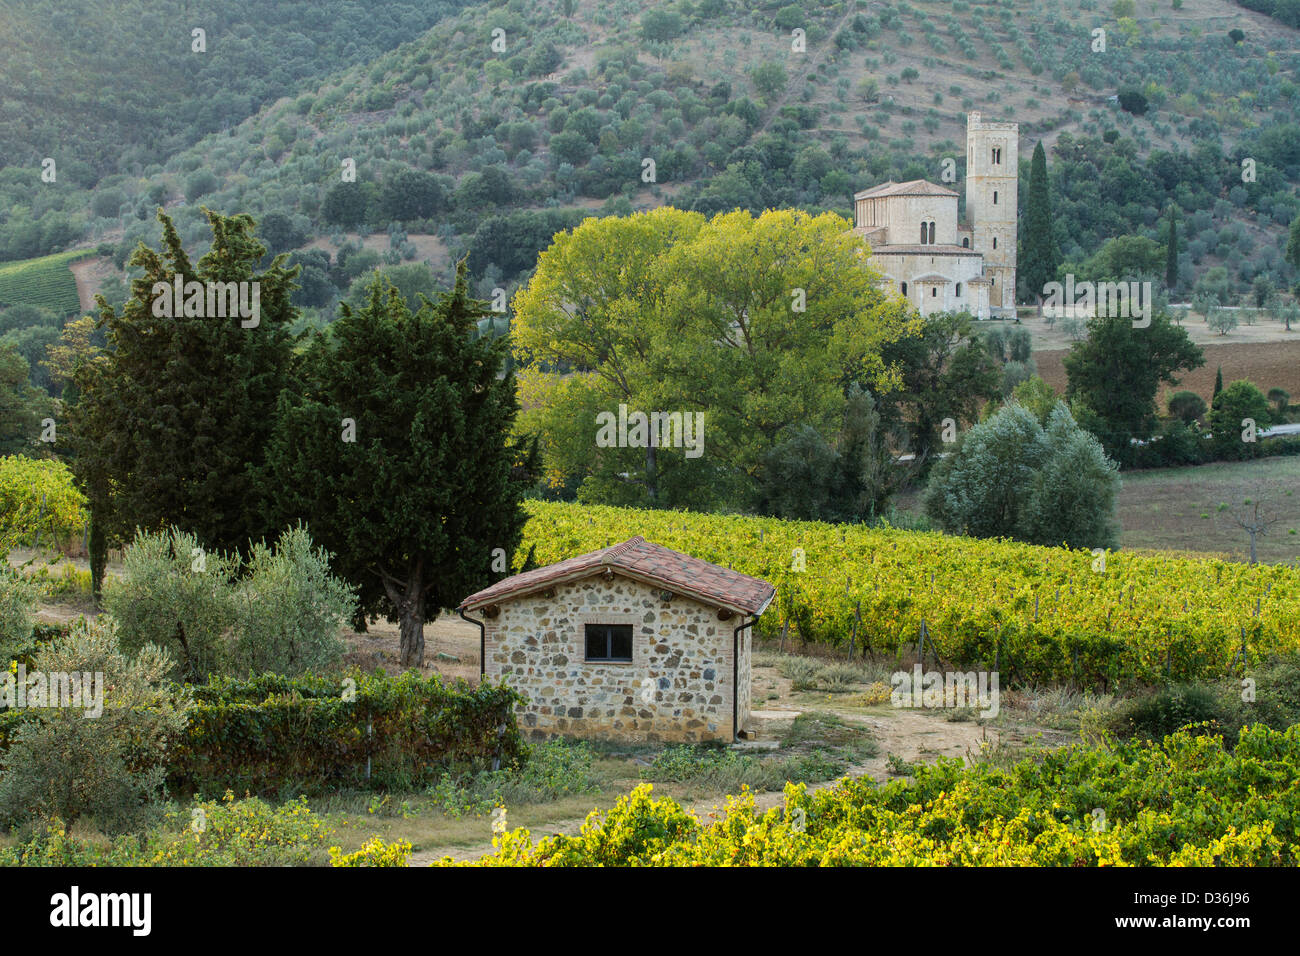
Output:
x=965 y=242
x=997 y=157
x=995 y=197
x=923 y=233
x=995 y=242
x=931 y=233
x=904 y=288
x=958 y=290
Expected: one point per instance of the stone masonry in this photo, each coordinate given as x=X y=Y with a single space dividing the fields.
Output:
x=677 y=688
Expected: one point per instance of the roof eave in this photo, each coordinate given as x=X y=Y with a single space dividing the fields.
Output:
x=594 y=570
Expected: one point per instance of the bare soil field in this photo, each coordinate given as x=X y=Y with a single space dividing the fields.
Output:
x=1271 y=364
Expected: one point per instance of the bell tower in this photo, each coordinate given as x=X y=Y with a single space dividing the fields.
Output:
x=992 y=184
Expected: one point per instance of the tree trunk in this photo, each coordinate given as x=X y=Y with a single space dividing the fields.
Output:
x=1252 y=546
x=97 y=548
x=410 y=612
x=651 y=473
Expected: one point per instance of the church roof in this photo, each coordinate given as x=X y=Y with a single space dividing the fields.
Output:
x=932 y=277
x=915 y=249
x=916 y=187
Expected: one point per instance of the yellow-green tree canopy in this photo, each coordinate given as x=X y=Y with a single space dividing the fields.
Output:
x=37 y=496
x=760 y=323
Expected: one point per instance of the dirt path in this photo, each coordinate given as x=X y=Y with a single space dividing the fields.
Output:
x=89 y=275
x=814 y=61
x=915 y=736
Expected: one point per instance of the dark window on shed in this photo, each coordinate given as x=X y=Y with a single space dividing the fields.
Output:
x=609 y=642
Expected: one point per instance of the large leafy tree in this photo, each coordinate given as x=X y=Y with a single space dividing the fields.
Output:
x=1038 y=255
x=592 y=307
x=766 y=320
x=758 y=322
x=173 y=417
x=945 y=371
x=1115 y=372
x=397 y=453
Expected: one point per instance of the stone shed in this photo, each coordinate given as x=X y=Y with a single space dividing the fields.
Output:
x=632 y=642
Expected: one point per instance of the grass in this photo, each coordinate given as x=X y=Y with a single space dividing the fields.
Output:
x=46 y=282
x=1177 y=509
x=817 y=747
x=1162 y=509
x=808 y=673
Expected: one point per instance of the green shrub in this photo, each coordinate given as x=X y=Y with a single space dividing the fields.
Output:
x=1039 y=811
x=17 y=610
x=272 y=734
x=1164 y=711
x=802 y=672
x=283 y=614
x=61 y=765
x=38 y=501
x=227 y=832
x=175 y=596
x=838 y=677
x=374 y=852
x=291 y=609
x=549 y=771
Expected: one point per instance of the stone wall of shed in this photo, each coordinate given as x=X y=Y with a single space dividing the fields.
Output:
x=676 y=689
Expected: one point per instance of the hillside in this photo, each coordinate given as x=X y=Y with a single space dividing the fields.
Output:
x=468 y=146
x=109 y=87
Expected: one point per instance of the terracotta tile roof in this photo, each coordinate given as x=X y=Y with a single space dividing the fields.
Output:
x=914 y=249
x=640 y=560
x=915 y=187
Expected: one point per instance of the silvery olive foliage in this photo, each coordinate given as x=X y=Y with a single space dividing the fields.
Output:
x=17 y=607
x=281 y=610
x=64 y=765
x=1013 y=477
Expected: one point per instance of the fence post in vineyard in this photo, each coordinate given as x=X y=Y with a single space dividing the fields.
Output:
x=853 y=638
x=370 y=743
x=785 y=629
x=501 y=736
x=920 y=649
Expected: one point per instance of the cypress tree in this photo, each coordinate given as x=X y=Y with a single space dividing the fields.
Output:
x=397 y=452
x=1171 y=253
x=1218 y=384
x=1038 y=256
x=172 y=422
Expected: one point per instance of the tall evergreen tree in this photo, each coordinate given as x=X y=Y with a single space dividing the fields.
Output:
x=1038 y=255
x=1218 y=384
x=397 y=454
x=21 y=406
x=170 y=426
x=1171 y=253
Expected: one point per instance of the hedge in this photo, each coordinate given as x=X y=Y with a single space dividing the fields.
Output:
x=272 y=734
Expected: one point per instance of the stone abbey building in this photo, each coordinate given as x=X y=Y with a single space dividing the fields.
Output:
x=933 y=259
